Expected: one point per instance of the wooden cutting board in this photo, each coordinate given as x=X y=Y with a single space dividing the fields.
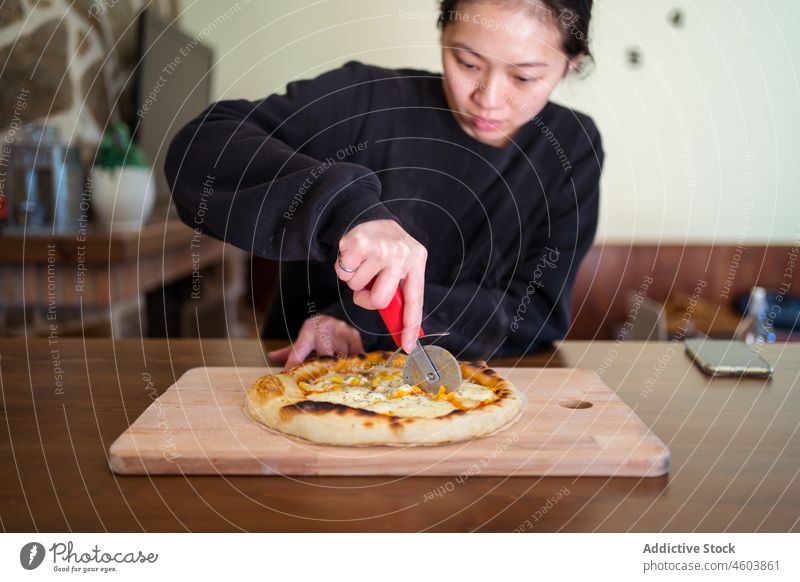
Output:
x=574 y=425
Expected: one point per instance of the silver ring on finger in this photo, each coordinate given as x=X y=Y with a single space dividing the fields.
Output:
x=345 y=269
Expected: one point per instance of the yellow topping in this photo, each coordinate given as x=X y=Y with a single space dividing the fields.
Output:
x=385 y=392
x=441 y=394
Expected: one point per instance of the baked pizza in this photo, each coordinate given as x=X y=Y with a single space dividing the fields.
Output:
x=363 y=400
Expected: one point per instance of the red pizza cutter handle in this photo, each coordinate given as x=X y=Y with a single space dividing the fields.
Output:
x=392 y=316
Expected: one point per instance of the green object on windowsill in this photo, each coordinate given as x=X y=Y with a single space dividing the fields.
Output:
x=117 y=149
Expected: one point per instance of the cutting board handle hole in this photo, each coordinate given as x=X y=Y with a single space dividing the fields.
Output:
x=576 y=404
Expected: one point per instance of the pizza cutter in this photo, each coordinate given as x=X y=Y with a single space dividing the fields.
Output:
x=429 y=367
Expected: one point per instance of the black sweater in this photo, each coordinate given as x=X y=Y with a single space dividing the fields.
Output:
x=506 y=228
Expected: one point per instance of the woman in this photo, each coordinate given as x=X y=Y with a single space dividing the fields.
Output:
x=470 y=190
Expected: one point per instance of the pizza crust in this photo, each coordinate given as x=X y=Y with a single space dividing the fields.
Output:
x=279 y=402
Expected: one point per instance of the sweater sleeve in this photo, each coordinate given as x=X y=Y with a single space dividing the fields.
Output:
x=244 y=172
x=534 y=308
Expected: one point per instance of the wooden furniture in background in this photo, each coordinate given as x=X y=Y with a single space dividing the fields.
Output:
x=71 y=278
x=671 y=274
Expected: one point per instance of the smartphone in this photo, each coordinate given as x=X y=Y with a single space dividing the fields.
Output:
x=727 y=358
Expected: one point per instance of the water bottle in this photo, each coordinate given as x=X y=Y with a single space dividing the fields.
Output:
x=755 y=328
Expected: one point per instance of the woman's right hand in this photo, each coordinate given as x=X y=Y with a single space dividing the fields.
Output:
x=382 y=249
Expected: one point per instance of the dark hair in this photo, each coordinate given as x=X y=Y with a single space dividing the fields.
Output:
x=572 y=17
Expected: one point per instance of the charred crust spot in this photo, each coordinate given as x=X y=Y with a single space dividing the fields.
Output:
x=313 y=406
x=489 y=372
x=318 y=407
x=363 y=412
x=362 y=356
x=456 y=412
x=326 y=358
x=395 y=423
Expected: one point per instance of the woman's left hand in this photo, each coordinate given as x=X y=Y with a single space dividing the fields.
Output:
x=324 y=334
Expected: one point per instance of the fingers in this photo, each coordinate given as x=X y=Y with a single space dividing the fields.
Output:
x=366 y=243
x=302 y=346
x=354 y=343
x=380 y=295
x=347 y=265
x=325 y=335
x=364 y=274
x=413 y=294
x=346 y=339
x=363 y=299
x=325 y=339
x=279 y=356
x=353 y=251
x=384 y=288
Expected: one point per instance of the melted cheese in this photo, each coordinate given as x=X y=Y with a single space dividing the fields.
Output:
x=422 y=406
x=383 y=391
x=356 y=397
x=471 y=395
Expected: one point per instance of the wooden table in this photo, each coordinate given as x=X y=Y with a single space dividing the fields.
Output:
x=735 y=452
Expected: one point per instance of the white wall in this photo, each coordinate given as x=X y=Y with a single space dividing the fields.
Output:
x=702 y=141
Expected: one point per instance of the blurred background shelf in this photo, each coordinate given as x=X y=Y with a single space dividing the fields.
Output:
x=162 y=280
